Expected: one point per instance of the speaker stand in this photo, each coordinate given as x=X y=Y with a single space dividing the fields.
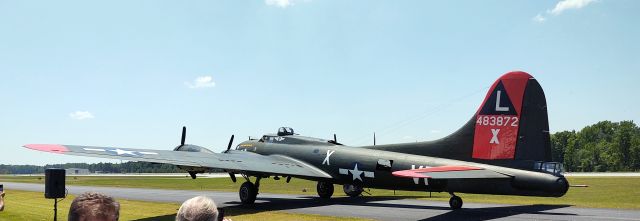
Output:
x=55 y=209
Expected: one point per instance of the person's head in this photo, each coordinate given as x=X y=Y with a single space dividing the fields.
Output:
x=94 y=206
x=199 y=208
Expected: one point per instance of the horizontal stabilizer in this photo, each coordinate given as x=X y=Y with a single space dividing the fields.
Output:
x=450 y=172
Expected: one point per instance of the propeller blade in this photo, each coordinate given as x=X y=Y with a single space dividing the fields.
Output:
x=374 y=138
x=334 y=138
x=233 y=177
x=184 y=135
x=230 y=143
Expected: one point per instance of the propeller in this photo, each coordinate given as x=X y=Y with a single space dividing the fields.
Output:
x=334 y=138
x=184 y=135
x=231 y=175
x=374 y=138
x=230 y=143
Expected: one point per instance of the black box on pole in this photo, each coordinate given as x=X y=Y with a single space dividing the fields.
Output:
x=54 y=183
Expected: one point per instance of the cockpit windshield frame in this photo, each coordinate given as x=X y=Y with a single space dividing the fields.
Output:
x=285 y=131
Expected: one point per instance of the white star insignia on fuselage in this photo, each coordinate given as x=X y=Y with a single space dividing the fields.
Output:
x=356 y=173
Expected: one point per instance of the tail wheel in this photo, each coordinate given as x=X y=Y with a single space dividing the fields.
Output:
x=455 y=202
x=352 y=190
x=248 y=193
x=325 y=189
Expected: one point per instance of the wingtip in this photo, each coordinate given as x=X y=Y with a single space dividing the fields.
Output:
x=53 y=148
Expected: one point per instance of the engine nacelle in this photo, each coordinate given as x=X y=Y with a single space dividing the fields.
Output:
x=192 y=148
x=352 y=190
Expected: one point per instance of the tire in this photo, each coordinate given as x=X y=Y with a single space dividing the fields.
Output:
x=325 y=189
x=455 y=202
x=352 y=190
x=248 y=193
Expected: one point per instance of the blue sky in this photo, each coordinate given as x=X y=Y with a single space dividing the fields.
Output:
x=132 y=73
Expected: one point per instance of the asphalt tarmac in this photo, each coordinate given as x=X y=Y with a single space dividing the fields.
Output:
x=366 y=207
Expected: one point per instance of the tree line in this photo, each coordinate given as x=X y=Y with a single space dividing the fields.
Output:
x=604 y=146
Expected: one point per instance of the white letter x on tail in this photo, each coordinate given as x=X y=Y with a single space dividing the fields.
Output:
x=494 y=139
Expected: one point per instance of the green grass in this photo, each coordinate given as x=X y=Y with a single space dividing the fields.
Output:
x=23 y=205
x=603 y=192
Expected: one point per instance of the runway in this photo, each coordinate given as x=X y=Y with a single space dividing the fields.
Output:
x=366 y=207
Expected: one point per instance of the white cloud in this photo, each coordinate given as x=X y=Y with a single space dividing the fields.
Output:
x=283 y=3
x=201 y=82
x=569 y=4
x=279 y=3
x=539 y=18
x=407 y=137
x=561 y=7
x=81 y=115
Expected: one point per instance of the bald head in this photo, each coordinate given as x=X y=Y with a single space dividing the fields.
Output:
x=199 y=208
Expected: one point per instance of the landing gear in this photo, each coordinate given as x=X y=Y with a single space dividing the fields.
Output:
x=455 y=202
x=193 y=174
x=325 y=189
x=352 y=190
x=248 y=193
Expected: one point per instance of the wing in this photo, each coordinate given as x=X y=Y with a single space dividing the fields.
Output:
x=238 y=161
x=450 y=172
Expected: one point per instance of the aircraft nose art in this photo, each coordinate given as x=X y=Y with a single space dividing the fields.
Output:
x=53 y=148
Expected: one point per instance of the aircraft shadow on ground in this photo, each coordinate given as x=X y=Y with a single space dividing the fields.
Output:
x=479 y=214
x=281 y=204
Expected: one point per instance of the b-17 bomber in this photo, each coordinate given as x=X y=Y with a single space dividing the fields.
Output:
x=503 y=149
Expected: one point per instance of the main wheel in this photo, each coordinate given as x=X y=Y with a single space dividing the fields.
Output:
x=455 y=202
x=248 y=193
x=352 y=190
x=325 y=189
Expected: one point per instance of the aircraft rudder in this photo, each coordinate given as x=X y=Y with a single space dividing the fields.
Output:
x=511 y=123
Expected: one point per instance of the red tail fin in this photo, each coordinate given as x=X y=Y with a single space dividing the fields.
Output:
x=498 y=118
x=511 y=128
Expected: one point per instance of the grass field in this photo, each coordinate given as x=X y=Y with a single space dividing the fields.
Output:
x=22 y=205
x=603 y=192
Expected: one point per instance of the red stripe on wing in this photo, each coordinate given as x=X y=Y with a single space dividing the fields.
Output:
x=53 y=148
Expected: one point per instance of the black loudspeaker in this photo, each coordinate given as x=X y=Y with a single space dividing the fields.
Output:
x=54 y=183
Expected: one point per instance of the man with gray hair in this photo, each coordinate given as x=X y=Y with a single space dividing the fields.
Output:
x=199 y=208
